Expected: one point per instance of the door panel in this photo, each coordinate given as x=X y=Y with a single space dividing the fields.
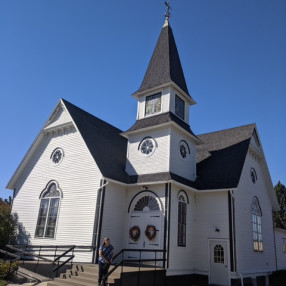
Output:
x=142 y=220
x=219 y=271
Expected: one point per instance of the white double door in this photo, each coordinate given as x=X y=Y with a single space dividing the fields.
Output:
x=143 y=219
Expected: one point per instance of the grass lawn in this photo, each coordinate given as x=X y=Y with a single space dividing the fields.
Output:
x=3 y=283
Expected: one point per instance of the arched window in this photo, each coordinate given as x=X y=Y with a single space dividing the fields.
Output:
x=256 y=225
x=147 y=203
x=48 y=212
x=182 y=220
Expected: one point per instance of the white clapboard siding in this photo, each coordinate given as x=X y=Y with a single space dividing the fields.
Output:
x=211 y=212
x=78 y=177
x=280 y=239
x=158 y=162
x=181 y=258
x=249 y=261
x=184 y=167
x=114 y=215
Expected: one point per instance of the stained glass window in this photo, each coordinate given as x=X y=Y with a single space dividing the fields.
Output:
x=153 y=104
x=256 y=225
x=48 y=212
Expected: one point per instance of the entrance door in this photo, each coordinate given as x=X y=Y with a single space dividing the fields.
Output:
x=219 y=272
x=145 y=216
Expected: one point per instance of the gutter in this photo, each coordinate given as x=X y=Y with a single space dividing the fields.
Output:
x=172 y=182
x=98 y=218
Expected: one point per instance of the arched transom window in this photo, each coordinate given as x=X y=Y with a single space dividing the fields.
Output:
x=256 y=225
x=48 y=212
x=147 y=203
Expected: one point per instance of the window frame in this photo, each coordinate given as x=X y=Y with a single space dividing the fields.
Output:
x=152 y=99
x=50 y=211
x=256 y=219
x=182 y=219
x=284 y=245
x=178 y=100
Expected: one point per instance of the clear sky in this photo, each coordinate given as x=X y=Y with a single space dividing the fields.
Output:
x=95 y=53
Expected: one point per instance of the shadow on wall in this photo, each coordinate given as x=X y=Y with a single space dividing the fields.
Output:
x=21 y=235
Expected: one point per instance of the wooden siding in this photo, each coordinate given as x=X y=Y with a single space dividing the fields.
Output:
x=182 y=167
x=280 y=235
x=157 y=162
x=249 y=261
x=114 y=218
x=78 y=177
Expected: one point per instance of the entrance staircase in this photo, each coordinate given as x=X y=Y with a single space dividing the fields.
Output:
x=87 y=275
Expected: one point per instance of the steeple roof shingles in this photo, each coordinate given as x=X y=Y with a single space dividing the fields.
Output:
x=165 y=65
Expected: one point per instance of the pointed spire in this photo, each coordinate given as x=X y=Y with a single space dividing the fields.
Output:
x=165 y=65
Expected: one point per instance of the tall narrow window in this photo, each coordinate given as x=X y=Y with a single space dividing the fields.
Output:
x=48 y=212
x=256 y=225
x=182 y=215
x=153 y=104
x=284 y=245
x=180 y=107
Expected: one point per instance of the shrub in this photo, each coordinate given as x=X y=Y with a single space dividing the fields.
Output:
x=6 y=270
x=278 y=278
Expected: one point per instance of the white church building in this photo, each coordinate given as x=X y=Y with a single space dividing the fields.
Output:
x=205 y=199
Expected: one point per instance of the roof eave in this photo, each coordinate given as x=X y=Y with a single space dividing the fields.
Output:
x=169 y=123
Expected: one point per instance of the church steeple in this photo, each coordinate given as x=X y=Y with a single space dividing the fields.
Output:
x=165 y=66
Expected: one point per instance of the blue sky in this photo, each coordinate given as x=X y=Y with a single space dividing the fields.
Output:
x=95 y=53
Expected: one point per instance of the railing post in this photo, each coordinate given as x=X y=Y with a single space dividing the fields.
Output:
x=55 y=252
x=138 y=277
x=72 y=254
x=155 y=267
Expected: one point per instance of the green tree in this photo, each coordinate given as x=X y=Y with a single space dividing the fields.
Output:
x=280 y=216
x=7 y=222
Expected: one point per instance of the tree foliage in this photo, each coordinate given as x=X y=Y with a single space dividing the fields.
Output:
x=280 y=216
x=7 y=222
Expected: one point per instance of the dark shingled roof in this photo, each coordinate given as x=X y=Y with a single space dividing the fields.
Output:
x=160 y=119
x=165 y=65
x=220 y=158
x=104 y=142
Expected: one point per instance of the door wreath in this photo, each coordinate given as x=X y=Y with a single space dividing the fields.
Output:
x=134 y=232
x=150 y=231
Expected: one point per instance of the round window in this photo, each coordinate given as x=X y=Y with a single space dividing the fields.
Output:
x=57 y=156
x=147 y=146
x=184 y=149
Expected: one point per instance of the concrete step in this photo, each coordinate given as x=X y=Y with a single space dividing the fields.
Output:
x=87 y=275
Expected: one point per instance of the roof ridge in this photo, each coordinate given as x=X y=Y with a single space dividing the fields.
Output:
x=228 y=129
x=88 y=113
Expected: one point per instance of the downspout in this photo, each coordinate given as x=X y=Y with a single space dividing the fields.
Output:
x=98 y=218
x=234 y=233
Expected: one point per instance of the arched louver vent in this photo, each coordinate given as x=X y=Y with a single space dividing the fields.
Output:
x=147 y=203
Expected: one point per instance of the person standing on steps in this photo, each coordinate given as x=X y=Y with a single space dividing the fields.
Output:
x=106 y=254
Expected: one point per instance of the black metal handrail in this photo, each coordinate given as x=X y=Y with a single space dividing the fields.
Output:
x=70 y=257
x=30 y=249
x=140 y=260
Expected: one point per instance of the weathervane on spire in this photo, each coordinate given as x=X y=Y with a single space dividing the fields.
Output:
x=168 y=14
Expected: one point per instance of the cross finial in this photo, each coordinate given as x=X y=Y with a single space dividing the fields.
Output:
x=168 y=14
